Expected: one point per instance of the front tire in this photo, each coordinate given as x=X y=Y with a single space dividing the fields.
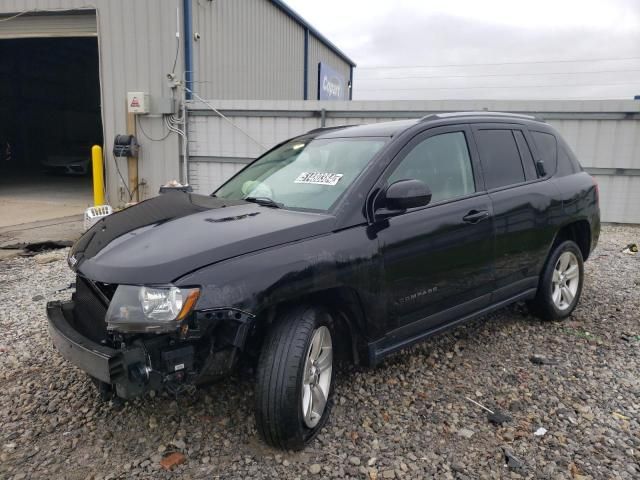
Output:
x=560 y=283
x=294 y=378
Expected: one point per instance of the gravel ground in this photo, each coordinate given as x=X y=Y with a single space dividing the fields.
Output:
x=410 y=418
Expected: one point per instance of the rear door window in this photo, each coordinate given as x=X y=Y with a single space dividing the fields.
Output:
x=547 y=149
x=500 y=158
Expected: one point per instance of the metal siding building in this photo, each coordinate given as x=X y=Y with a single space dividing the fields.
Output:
x=247 y=49
x=137 y=48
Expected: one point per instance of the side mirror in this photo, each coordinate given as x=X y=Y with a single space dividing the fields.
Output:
x=540 y=167
x=405 y=194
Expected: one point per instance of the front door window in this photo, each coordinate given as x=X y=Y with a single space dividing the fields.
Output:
x=443 y=163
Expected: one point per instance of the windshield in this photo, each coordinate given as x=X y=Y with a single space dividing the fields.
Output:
x=306 y=174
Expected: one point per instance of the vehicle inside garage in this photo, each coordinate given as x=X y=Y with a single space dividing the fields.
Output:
x=49 y=119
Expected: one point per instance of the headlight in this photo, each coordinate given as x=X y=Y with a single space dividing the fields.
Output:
x=150 y=309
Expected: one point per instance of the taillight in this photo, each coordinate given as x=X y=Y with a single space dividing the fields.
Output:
x=595 y=184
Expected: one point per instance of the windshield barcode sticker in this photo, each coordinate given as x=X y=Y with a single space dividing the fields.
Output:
x=318 y=178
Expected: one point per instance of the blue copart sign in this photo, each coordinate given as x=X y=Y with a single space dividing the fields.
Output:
x=331 y=85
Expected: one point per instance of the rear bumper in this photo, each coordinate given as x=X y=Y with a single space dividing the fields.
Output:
x=120 y=368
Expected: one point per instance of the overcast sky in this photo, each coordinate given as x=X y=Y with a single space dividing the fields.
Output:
x=485 y=49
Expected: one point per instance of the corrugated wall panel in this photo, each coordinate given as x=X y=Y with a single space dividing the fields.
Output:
x=38 y=26
x=619 y=198
x=603 y=143
x=138 y=47
x=16 y=6
x=205 y=177
x=318 y=52
x=248 y=49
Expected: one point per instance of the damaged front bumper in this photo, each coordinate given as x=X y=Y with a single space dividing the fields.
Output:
x=151 y=362
x=124 y=369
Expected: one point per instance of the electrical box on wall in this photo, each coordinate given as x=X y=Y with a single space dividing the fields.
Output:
x=162 y=106
x=138 y=102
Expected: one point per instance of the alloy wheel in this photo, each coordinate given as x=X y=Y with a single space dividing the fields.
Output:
x=316 y=382
x=565 y=281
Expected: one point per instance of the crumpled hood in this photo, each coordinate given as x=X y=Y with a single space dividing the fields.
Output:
x=164 y=238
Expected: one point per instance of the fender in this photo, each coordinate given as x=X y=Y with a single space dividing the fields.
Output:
x=341 y=260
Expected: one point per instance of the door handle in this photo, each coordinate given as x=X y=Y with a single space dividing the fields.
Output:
x=476 y=216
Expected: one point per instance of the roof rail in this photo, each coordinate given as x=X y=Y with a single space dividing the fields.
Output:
x=483 y=113
x=326 y=129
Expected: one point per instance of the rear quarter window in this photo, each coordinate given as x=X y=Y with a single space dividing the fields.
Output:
x=547 y=150
x=567 y=161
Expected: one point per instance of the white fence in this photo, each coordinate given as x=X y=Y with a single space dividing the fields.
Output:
x=604 y=134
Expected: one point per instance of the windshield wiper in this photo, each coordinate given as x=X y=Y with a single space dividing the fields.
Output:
x=264 y=201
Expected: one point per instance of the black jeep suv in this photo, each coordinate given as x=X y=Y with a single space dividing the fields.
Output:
x=357 y=239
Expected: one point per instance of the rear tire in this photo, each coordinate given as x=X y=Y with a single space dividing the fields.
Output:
x=560 y=283
x=294 y=378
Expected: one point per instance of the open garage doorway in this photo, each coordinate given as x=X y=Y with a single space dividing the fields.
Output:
x=49 y=119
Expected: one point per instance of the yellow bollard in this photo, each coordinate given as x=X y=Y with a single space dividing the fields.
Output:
x=98 y=175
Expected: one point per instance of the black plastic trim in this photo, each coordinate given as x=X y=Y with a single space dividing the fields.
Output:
x=97 y=360
x=383 y=347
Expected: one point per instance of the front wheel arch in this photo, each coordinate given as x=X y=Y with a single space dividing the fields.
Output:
x=344 y=305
